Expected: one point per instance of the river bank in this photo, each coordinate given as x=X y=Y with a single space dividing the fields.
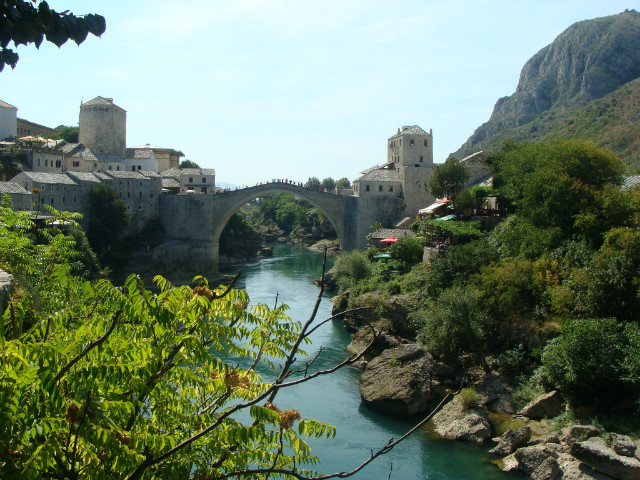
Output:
x=289 y=275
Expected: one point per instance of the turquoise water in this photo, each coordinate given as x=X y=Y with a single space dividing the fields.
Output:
x=335 y=398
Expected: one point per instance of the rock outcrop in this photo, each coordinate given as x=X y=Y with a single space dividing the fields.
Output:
x=595 y=453
x=587 y=61
x=455 y=422
x=548 y=405
x=398 y=381
x=512 y=440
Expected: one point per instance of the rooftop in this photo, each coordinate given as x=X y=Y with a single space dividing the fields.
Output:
x=101 y=101
x=12 y=187
x=6 y=105
x=631 y=182
x=409 y=130
x=380 y=175
x=42 y=177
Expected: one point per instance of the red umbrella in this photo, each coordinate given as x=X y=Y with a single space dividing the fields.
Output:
x=389 y=240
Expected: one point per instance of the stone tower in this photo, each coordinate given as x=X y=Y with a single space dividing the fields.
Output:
x=103 y=127
x=410 y=152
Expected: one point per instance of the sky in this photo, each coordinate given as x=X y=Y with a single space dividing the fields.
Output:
x=263 y=89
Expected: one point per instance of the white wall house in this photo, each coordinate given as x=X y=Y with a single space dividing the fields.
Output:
x=8 y=121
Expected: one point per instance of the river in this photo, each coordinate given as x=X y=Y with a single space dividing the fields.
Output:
x=335 y=398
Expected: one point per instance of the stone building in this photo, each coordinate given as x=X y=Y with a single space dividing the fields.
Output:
x=103 y=127
x=25 y=128
x=8 y=121
x=190 y=180
x=20 y=197
x=55 y=189
x=167 y=157
x=139 y=159
x=407 y=172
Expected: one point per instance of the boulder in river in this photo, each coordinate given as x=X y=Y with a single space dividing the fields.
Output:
x=456 y=422
x=398 y=381
x=595 y=453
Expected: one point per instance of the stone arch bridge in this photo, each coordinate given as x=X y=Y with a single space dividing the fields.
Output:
x=193 y=223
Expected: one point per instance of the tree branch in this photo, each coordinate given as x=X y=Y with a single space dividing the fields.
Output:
x=89 y=347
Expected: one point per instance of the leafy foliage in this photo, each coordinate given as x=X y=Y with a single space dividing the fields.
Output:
x=23 y=23
x=351 y=267
x=409 y=250
x=98 y=381
x=594 y=361
x=448 y=178
x=68 y=134
x=188 y=164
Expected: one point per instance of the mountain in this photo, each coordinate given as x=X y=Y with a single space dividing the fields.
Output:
x=585 y=85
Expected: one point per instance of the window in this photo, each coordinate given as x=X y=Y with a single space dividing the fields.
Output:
x=118 y=167
x=140 y=195
x=421 y=159
x=366 y=188
x=52 y=188
x=74 y=199
x=412 y=142
x=425 y=143
x=139 y=167
x=109 y=167
x=190 y=179
x=391 y=188
x=204 y=180
x=133 y=168
x=51 y=200
x=46 y=162
x=63 y=199
x=379 y=188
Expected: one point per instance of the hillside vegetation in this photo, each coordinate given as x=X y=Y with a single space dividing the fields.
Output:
x=585 y=86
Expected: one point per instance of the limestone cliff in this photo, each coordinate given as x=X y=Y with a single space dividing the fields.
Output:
x=588 y=61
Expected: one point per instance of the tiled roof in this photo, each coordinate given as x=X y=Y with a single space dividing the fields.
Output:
x=377 y=167
x=100 y=101
x=125 y=174
x=631 y=182
x=11 y=187
x=84 y=176
x=149 y=173
x=42 y=177
x=156 y=148
x=409 y=130
x=70 y=148
x=6 y=105
x=139 y=153
x=170 y=183
x=381 y=175
x=185 y=172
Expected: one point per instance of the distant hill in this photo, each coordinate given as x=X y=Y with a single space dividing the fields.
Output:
x=585 y=85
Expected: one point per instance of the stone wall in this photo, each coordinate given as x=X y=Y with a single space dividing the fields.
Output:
x=6 y=288
x=103 y=128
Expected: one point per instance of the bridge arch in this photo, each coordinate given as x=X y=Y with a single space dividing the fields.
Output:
x=228 y=203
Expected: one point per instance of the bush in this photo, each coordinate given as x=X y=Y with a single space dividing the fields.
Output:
x=469 y=398
x=594 y=362
x=351 y=267
x=408 y=251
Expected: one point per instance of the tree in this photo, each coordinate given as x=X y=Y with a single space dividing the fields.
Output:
x=22 y=23
x=408 y=251
x=455 y=324
x=119 y=382
x=448 y=178
x=188 y=164
x=68 y=134
x=313 y=183
x=108 y=217
x=328 y=183
x=594 y=362
x=343 y=183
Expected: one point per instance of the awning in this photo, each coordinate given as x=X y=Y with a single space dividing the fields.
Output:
x=389 y=240
x=445 y=218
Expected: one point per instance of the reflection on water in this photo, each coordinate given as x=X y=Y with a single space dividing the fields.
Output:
x=335 y=398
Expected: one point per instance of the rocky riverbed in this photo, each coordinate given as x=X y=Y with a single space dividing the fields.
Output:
x=400 y=378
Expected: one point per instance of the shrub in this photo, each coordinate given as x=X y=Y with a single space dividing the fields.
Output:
x=594 y=362
x=351 y=267
x=469 y=398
